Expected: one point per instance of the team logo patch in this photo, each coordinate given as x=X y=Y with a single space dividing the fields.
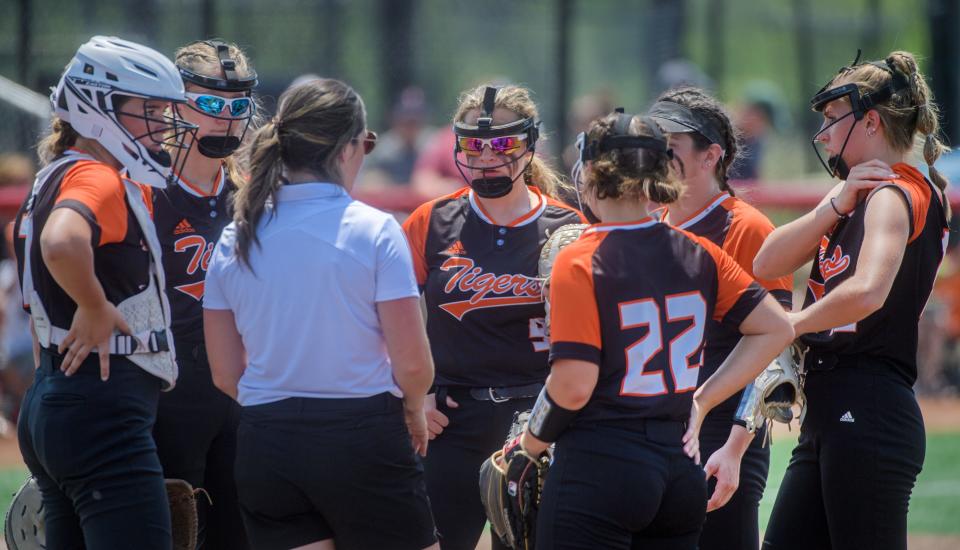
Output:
x=830 y=267
x=489 y=290
x=183 y=227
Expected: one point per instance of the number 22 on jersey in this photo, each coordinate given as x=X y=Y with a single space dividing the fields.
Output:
x=688 y=307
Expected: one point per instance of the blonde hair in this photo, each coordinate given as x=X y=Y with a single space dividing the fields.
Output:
x=630 y=173
x=909 y=114
x=62 y=136
x=517 y=100
x=201 y=57
x=315 y=121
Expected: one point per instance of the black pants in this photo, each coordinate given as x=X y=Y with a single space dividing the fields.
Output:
x=850 y=477
x=618 y=489
x=342 y=469
x=476 y=430
x=89 y=445
x=736 y=524
x=196 y=435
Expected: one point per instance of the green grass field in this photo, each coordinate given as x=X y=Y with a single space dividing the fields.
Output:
x=934 y=508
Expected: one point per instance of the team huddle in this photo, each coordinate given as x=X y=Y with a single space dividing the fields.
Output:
x=210 y=305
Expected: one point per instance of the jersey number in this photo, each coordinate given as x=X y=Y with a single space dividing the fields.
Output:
x=647 y=313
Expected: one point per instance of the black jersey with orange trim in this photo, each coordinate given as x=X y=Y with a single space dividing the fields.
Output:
x=189 y=222
x=636 y=299
x=484 y=309
x=890 y=333
x=121 y=259
x=739 y=230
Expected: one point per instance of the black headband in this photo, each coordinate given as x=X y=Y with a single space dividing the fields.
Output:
x=621 y=138
x=676 y=118
x=232 y=82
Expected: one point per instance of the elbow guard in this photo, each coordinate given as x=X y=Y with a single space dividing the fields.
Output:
x=547 y=419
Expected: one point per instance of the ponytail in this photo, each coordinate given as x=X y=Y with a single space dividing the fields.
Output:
x=250 y=201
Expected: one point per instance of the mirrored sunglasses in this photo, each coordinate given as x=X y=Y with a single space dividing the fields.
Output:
x=505 y=145
x=213 y=105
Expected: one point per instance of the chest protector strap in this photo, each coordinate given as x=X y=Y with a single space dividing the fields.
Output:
x=147 y=313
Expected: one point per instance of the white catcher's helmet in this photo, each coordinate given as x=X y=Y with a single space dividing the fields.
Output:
x=107 y=67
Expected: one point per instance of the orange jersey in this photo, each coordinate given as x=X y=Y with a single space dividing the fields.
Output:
x=484 y=309
x=636 y=300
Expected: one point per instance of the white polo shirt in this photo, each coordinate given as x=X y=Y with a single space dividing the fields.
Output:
x=307 y=311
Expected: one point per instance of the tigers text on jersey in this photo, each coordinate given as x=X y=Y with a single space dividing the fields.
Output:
x=121 y=259
x=189 y=223
x=484 y=309
x=636 y=299
x=739 y=230
x=889 y=333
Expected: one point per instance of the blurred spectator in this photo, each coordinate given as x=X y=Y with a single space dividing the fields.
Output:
x=761 y=113
x=681 y=72
x=583 y=110
x=435 y=172
x=391 y=162
x=16 y=343
x=938 y=361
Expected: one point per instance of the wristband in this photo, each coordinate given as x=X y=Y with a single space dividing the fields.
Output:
x=547 y=419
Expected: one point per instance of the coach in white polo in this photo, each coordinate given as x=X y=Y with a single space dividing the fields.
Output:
x=312 y=322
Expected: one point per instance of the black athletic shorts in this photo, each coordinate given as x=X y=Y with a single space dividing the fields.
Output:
x=314 y=469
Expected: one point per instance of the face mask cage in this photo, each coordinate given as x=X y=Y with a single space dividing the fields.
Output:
x=223 y=145
x=484 y=129
x=859 y=105
x=166 y=138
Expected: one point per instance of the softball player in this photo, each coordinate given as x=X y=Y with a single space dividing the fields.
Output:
x=704 y=145
x=626 y=348
x=196 y=429
x=312 y=322
x=90 y=273
x=876 y=241
x=475 y=255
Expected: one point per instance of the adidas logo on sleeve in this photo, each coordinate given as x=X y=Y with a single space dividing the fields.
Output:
x=847 y=417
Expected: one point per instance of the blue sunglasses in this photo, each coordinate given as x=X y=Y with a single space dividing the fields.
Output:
x=213 y=105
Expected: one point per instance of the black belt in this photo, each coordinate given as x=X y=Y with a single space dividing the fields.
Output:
x=497 y=395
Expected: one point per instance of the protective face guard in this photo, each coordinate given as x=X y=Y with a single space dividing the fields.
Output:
x=590 y=150
x=223 y=145
x=497 y=186
x=859 y=105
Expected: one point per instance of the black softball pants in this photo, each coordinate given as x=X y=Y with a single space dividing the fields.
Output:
x=476 y=430
x=89 y=445
x=196 y=435
x=736 y=524
x=850 y=477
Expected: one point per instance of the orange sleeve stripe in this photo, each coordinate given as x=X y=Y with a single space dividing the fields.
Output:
x=416 y=227
x=97 y=187
x=574 y=316
x=748 y=230
x=913 y=184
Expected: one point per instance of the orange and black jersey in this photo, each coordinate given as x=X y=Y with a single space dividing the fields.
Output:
x=635 y=299
x=484 y=309
x=890 y=333
x=739 y=230
x=121 y=259
x=189 y=223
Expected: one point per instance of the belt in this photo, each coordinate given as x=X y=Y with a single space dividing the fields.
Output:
x=497 y=395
